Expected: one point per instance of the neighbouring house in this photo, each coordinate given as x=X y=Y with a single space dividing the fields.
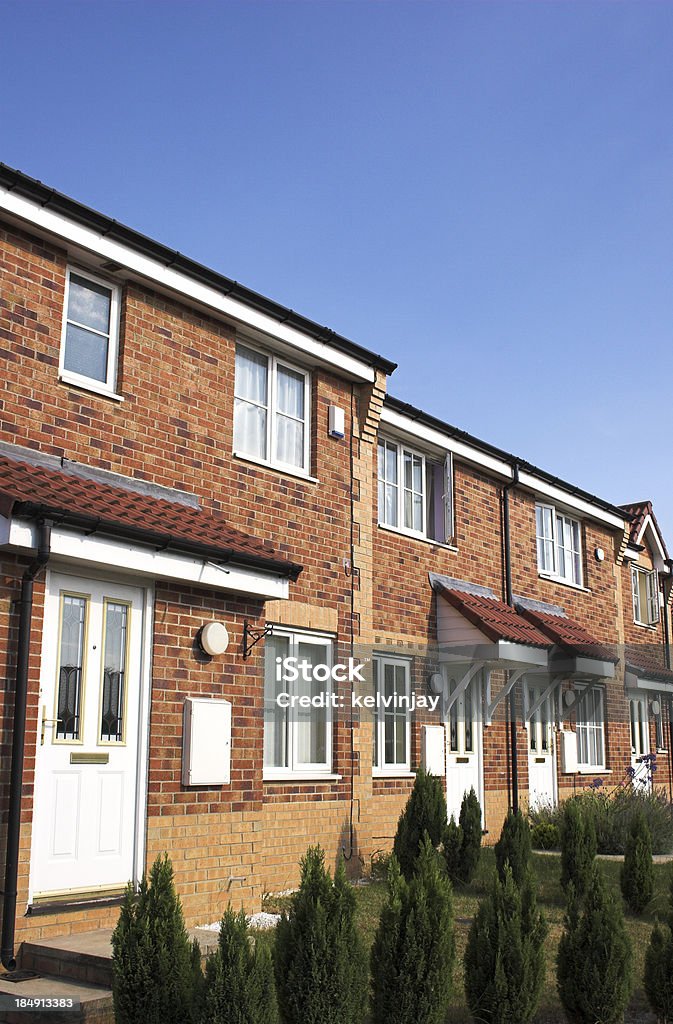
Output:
x=201 y=490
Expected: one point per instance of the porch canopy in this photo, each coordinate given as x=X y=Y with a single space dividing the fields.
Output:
x=646 y=669
x=476 y=631
x=576 y=654
x=108 y=521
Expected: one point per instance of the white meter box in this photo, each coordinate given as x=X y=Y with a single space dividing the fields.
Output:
x=568 y=752
x=433 y=749
x=206 y=742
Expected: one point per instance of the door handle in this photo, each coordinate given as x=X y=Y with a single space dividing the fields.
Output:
x=45 y=722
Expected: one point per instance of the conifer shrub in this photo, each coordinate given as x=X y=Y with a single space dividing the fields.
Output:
x=425 y=811
x=461 y=843
x=658 y=975
x=470 y=823
x=319 y=959
x=505 y=957
x=594 y=965
x=578 y=847
x=637 y=874
x=239 y=982
x=513 y=847
x=155 y=967
x=413 y=953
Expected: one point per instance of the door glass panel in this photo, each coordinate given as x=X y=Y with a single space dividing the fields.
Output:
x=453 y=720
x=468 y=711
x=71 y=660
x=114 y=673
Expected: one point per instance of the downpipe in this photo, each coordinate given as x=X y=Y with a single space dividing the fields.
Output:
x=18 y=745
x=507 y=559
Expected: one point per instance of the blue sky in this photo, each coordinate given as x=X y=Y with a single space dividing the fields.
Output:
x=482 y=192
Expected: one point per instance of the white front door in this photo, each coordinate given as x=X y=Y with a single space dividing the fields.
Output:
x=541 y=759
x=84 y=825
x=463 y=746
x=640 y=740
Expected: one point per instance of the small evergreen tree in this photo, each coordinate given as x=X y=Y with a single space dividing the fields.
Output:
x=413 y=952
x=425 y=812
x=513 y=847
x=319 y=959
x=153 y=962
x=658 y=977
x=470 y=823
x=578 y=848
x=637 y=874
x=594 y=964
x=505 y=957
x=239 y=984
x=451 y=849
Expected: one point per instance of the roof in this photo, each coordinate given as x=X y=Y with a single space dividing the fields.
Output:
x=568 y=634
x=648 y=660
x=31 y=491
x=497 y=620
x=405 y=409
x=30 y=188
x=640 y=510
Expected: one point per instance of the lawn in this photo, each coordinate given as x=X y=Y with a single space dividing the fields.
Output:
x=546 y=867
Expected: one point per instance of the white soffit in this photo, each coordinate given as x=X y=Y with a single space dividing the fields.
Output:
x=498 y=467
x=108 y=554
x=175 y=281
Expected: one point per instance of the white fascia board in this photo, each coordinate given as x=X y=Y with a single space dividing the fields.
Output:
x=631 y=555
x=498 y=467
x=175 y=281
x=419 y=432
x=649 y=526
x=104 y=553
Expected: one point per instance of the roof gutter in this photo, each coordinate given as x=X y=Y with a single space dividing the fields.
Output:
x=18 y=745
x=94 y=524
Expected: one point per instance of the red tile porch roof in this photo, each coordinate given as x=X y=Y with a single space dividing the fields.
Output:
x=568 y=634
x=31 y=491
x=648 y=660
x=497 y=620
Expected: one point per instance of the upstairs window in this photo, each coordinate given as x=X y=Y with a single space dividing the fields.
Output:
x=559 y=545
x=645 y=589
x=271 y=410
x=415 y=493
x=90 y=339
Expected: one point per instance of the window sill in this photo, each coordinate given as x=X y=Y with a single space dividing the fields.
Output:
x=403 y=773
x=275 y=468
x=652 y=626
x=301 y=777
x=417 y=536
x=594 y=771
x=89 y=385
x=563 y=583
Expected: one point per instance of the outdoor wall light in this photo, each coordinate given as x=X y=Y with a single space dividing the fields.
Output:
x=569 y=698
x=599 y=554
x=436 y=683
x=213 y=638
x=655 y=707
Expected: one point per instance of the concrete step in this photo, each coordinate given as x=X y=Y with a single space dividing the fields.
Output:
x=94 y=1002
x=85 y=957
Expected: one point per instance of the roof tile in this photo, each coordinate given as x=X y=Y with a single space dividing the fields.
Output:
x=497 y=620
x=569 y=634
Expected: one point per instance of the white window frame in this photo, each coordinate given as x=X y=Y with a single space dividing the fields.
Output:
x=446 y=497
x=554 y=539
x=379 y=764
x=273 y=362
x=660 y=724
x=294 y=767
x=589 y=727
x=81 y=380
x=651 y=596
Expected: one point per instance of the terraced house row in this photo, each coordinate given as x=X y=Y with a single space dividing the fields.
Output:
x=200 y=491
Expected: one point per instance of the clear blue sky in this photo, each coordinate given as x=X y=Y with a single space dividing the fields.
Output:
x=482 y=192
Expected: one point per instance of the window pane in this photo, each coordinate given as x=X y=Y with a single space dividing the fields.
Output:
x=114 y=669
x=391 y=505
x=249 y=429
x=311 y=722
x=89 y=304
x=71 y=661
x=290 y=392
x=86 y=353
x=289 y=441
x=275 y=717
x=252 y=375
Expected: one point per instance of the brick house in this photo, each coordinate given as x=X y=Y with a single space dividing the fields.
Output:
x=197 y=483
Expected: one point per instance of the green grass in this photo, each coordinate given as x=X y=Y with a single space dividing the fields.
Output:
x=546 y=867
